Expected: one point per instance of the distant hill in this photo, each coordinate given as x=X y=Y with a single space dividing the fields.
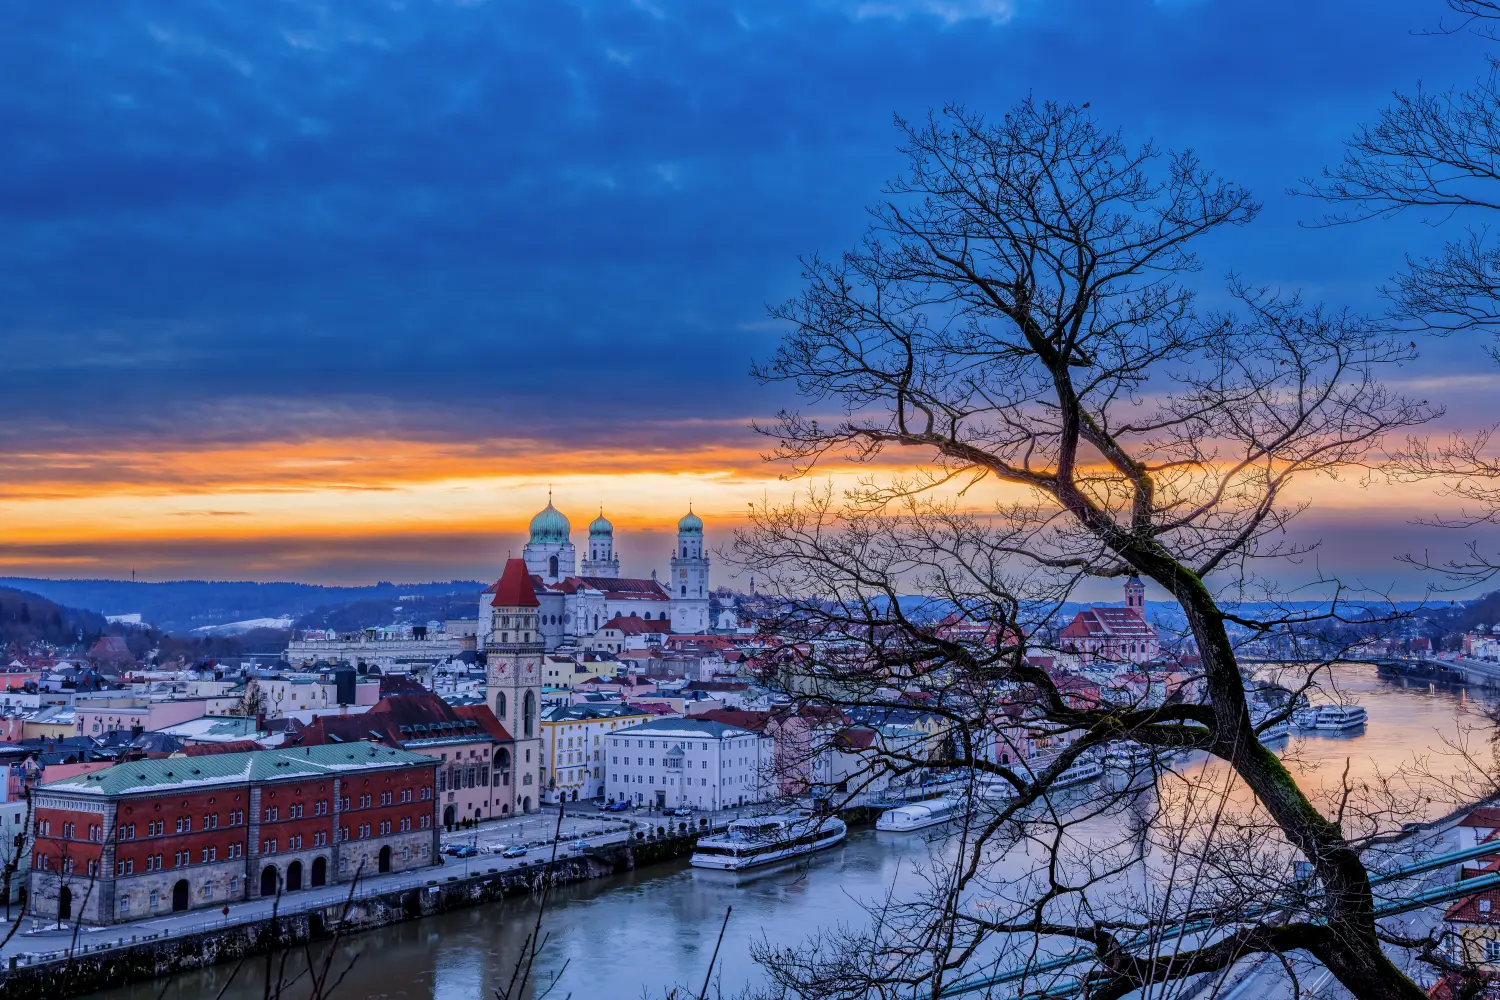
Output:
x=27 y=618
x=371 y=611
x=183 y=605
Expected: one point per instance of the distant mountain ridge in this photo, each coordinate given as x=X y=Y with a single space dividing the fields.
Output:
x=184 y=605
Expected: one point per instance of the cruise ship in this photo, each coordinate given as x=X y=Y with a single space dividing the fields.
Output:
x=920 y=815
x=763 y=840
x=1329 y=717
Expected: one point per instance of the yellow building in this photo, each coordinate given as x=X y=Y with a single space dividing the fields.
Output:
x=573 y=745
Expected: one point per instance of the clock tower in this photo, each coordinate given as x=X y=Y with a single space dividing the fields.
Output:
x=513 y=683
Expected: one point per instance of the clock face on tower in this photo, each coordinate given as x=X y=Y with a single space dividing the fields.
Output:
x=529 y=670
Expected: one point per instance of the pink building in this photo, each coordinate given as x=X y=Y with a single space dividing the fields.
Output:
x=96 y=717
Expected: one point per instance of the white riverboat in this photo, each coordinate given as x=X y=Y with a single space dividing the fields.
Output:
x=763 y=840
x=1329 y=717
x=1083 y=770
x=1129 y=755
x=1279 y=731
x=920 y=815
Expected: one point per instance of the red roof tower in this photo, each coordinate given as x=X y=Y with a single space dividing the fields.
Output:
x=514 y=589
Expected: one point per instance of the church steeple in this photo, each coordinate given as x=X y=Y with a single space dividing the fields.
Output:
x=1135 y=594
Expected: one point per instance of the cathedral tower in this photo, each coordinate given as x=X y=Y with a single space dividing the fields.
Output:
x=513 y=684
x=1135 y=594
x=549 y=554
x=601 y=559
x=687 y=580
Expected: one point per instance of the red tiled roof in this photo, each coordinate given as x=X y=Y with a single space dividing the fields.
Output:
x=514 y=589
x=1485 y=817
x=483 y=715
x=1480 y=908
x=857 y=738
x=1099 y=623
x=616 y=588
x=754 y=721
x=232 y=746
x=631 y=625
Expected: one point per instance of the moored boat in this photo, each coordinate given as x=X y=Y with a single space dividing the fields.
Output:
x=920 y=815
x=1330 y=717
x=763 y=840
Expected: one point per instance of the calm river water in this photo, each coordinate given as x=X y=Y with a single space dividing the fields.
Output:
x=635 y=935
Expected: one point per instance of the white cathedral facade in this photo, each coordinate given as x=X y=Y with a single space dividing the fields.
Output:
x=576 y=601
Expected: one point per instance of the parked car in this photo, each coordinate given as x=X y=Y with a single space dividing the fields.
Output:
x=463 y=850
x=514 y=851
x=615 y=807
x=681 y=811
x=580 y=845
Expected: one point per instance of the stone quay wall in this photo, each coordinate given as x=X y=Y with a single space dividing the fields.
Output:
x=88 y=971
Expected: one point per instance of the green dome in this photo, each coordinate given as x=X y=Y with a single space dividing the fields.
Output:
x=600 y=526
x=691 y=524
x=550 y=526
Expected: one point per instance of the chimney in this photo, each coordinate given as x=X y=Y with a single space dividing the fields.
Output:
x=260 y=722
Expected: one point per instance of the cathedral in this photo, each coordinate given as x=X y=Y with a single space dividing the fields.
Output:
x=576 y=600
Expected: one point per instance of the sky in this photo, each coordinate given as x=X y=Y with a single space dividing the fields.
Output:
x=334 y=291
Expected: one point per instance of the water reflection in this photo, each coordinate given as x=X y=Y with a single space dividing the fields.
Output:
x=645 y=930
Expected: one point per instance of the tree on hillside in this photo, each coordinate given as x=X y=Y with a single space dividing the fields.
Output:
x=1016 y=321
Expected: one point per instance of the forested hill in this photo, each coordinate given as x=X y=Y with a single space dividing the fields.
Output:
x=26 y=618
x=182 y=605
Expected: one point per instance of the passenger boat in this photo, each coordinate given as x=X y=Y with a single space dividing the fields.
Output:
x=920 y=815
x=1279 y=731
x=763 y=840
x=1131 y=756
x=1329 y=717
x=1083 y=770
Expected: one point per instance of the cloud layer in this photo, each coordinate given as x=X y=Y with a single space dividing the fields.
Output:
x=345 y=248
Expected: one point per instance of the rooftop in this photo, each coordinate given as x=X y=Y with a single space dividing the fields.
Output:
x=235 y=768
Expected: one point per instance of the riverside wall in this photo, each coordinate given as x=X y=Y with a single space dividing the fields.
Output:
x=88 y=971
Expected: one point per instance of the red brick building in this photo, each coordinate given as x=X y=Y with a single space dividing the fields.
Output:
x=156 y=836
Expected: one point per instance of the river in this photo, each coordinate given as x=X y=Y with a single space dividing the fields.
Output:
x=638 y=934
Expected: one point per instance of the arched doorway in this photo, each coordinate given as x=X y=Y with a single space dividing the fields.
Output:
x=478 y=814
x=319 y=871
x=65 y=903
x=526 y=804
x=575 y=795
x=385 y=859
x=294 y=876
x=449 y=817
x=268 y=880
x=180 y=895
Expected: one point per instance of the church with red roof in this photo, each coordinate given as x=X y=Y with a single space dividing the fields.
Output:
x=1113 y=635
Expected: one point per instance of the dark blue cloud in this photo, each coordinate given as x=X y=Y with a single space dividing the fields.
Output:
x=458 y=215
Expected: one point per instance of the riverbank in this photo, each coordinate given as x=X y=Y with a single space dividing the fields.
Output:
x=80 y=970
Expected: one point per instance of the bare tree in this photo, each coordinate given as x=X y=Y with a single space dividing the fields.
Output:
x=1435 y=155
x=1015 y=327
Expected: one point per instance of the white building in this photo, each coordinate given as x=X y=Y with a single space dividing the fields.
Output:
x=573 y=747
x=574 y=605
x=688 y=762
